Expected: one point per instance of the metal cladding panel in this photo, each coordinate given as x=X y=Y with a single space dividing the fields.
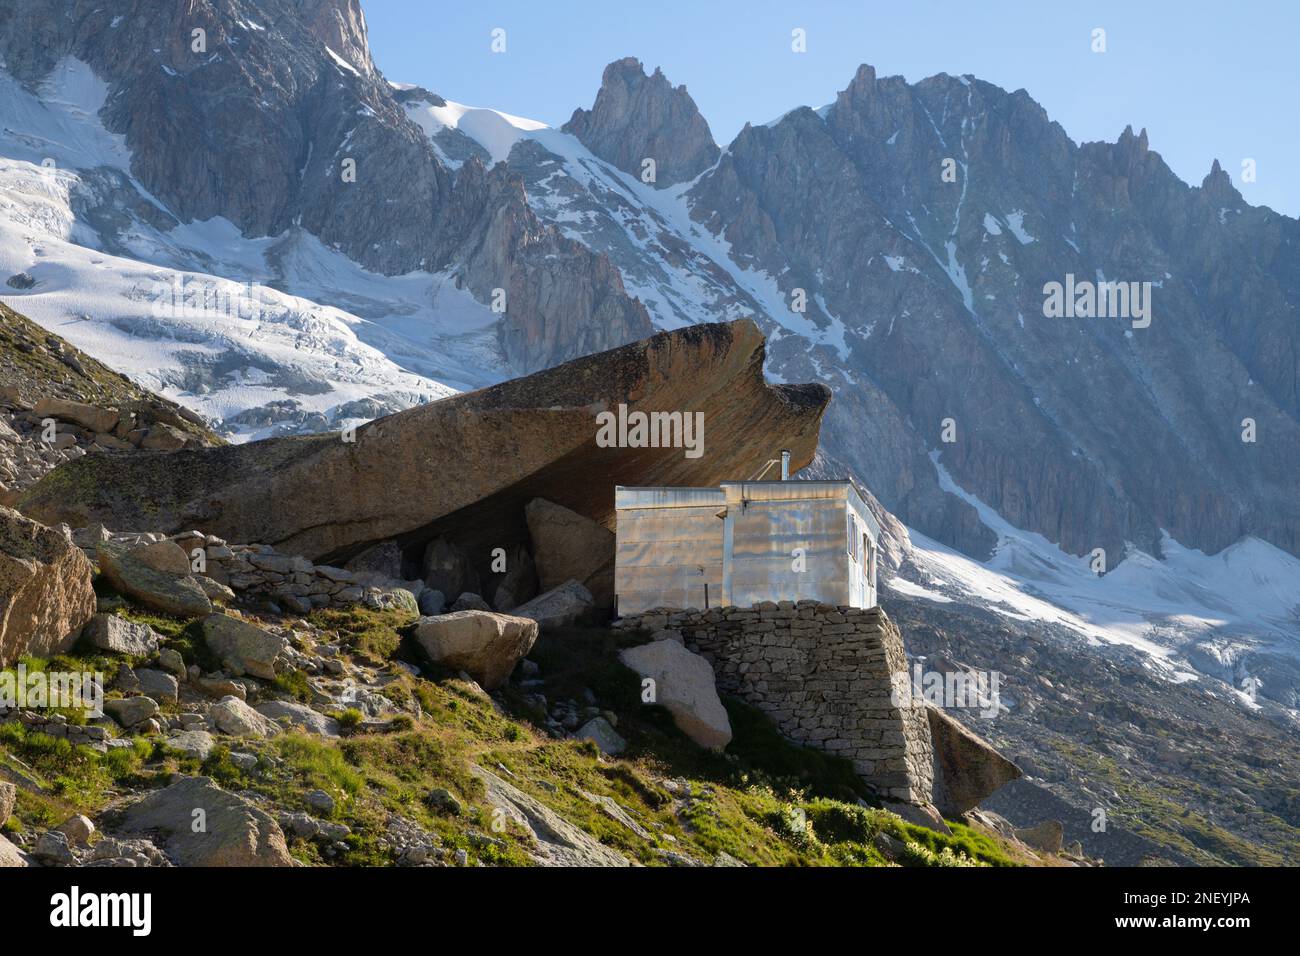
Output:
x=671 y=543
x=767 y=532
x=669 y=548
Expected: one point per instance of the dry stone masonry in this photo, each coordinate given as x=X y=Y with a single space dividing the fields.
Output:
x=824 y=675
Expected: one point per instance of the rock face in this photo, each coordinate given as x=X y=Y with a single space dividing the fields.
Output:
x=558 y=842
x=243 y=648
x=636 y=118
x=327 y=499
x=485 y=645
x=568 y=546
x=307 y=92
x=178 y=596
x=559 y=607
x=45 y=591
x=8 y=800
x=235 y=832
x=966 y=768
x=684 y=686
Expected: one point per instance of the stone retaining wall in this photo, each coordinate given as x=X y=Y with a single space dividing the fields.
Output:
x=824 y=675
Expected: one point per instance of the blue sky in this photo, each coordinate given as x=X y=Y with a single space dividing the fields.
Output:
x=1207 y=80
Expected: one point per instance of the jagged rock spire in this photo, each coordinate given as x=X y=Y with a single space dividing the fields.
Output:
x=637 y=118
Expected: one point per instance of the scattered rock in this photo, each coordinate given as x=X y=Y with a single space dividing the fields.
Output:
x=556 y=841
x=8 y=800
x=432 y=602
x=91 y=417
x=53 y=849
x=384 y=558
x=10 y=855
x=158 y=685
x=177 y=596
x=129 y=711
x=320 y=801
x=215 y=590
x=484 y=644
x=77 y=829
x=569 y=546
x=447 y=568
x=243 y=648
x=165 y=556
x=111 y=851
x=233 y=716
x=108 y=632
x=46 y=595
x=299 y=715
x=559 y=607
x=518 y=584
x=685 y=687
x=194 y=744
x=444 y=800
x=1047 y=836
x=235 y=832
x=171 y=661
x=599 y=730
x=469 y=601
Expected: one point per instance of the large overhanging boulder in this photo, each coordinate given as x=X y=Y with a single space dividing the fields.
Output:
x=465 y=465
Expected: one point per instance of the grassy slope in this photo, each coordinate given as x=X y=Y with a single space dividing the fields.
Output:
x=766 y=802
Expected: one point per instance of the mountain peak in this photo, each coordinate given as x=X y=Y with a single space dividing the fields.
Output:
x=637 y=118
x=1217 y=184
x=341 y=26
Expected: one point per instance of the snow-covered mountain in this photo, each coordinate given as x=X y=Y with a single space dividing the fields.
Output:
x=278 y=296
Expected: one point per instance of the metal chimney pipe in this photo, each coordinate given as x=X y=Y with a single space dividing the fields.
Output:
x=785 y=464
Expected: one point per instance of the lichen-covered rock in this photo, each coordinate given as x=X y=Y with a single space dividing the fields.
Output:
x=179 y=596
x=129 y=711
x=484 y=644
x=8 y=800
x=93 y=417
x=556 y=841
x=165 y=556
x=10 y=855
x=117 y=635
x=45 y=589
x=242 y=647
x=299 y=715
x=234 y=717
x=234 y=831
